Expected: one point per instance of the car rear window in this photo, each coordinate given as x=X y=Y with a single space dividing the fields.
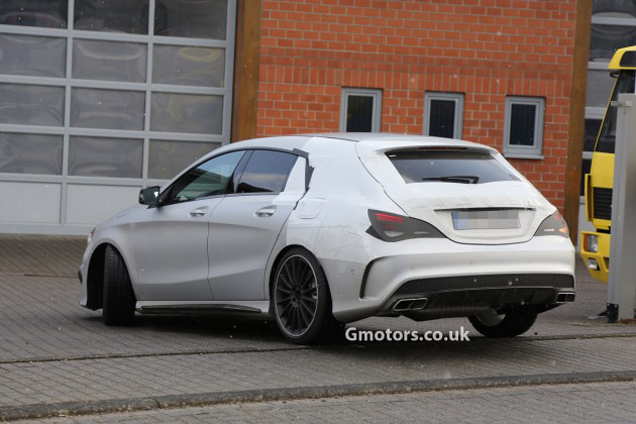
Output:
x=449 y=166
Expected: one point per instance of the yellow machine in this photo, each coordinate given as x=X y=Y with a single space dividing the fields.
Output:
x=595 y=245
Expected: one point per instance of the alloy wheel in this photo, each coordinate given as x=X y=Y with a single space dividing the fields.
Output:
x=296 y=295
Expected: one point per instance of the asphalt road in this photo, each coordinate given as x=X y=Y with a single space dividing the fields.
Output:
x=58 y=359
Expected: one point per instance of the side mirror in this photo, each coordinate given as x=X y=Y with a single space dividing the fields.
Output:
x=149 y=196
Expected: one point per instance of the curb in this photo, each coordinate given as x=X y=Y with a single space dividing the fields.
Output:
x=249 y=396
x=528 y=339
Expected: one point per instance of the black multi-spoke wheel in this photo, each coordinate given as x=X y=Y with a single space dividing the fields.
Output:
x=296 y=295
x=301 y=299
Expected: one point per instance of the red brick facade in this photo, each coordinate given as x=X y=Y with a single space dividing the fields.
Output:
x=486 y=49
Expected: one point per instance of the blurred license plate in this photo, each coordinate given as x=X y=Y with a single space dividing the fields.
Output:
x=486 y=219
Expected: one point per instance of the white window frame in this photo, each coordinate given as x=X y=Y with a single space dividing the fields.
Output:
x=525 y=152
x=458 y=98
x=376 y=94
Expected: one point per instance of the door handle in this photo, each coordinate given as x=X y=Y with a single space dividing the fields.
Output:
x=266 y=211
x=198 y=212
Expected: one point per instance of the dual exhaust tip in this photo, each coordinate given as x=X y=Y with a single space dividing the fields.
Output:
x=416 y=304
x=565 y=297
x=404 y=305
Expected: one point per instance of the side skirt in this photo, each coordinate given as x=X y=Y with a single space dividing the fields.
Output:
x=204 y=308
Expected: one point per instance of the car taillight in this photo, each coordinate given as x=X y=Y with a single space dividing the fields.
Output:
x=391 y=227
x=554 y=225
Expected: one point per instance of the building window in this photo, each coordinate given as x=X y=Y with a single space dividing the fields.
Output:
x=523 y=131
x=443 y=114
x=360 y=110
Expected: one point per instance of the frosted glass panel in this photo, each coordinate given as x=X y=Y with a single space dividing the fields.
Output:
x=32 y=56
x=109 y=61
x=189 y=113
x=31 y=104
x=105 y=157
x=197 y=19
x=189 y=66
x=168 y=158
x=31 y=153
x=129 y=16
x=606 y=39
x=39 y=13
x=112 y=109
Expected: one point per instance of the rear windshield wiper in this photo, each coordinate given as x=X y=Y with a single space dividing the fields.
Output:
x=463 y=179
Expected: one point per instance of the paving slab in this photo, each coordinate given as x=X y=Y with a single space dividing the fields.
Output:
x=40 y=318
x=45 y=256
x=568 y=403
x=53 y=352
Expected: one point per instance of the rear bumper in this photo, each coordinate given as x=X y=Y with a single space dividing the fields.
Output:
x=462 y=296
x=396 y=268
x=601 y=257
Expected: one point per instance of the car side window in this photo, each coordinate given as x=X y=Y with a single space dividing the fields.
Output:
x=266 y=172
x=209 y=178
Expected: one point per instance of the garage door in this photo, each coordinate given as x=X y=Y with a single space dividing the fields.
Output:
x=99 y=98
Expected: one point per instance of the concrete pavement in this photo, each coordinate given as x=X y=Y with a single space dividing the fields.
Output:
x=590 y=403
x=55 y=356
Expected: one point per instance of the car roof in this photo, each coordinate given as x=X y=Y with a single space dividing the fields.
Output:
x=291 y=141
x=312 y=143
x=369 y=136
x=284 y=142
x=397 y=139
x=370 y=141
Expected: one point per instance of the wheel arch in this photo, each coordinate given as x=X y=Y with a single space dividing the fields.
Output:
x=276 y=263
x=95 y=278
x=95 y=275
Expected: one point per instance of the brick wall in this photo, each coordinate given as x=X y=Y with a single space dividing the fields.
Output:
x=486 y=49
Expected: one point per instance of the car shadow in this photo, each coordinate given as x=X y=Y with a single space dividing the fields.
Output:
x=262 y=329
x=212 y=326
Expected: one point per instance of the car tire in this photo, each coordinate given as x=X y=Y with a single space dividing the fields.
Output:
x=512 y=324
x=301 y=301
x=119 y=298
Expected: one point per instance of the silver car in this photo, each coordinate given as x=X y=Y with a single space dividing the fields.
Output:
x=320 y=230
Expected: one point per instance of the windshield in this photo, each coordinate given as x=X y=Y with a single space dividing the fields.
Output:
x=449 y=166
x=607 y=137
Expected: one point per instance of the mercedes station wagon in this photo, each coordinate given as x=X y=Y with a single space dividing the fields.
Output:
x=316 y=231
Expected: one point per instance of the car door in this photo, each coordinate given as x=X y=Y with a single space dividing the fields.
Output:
x=246 y=224
x=171 y=241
